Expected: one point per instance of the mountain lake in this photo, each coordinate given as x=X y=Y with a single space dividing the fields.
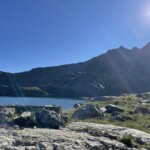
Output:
x=66 y=103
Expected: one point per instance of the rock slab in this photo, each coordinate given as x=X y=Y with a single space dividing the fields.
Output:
x=76 y=136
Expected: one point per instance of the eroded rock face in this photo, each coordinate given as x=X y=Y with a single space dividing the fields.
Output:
x=76 y=136
x=89 y=111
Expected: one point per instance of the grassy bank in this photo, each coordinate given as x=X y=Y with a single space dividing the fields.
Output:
x=128 y=103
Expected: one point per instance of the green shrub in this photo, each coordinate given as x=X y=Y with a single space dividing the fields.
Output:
x=127 y=140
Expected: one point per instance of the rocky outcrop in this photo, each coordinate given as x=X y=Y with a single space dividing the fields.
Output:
x=111 y=131
x=77 y=84
x=25 y=121
x=49 y=119
x=76 y=136
x=113 y=108
x=30 y=116
x=88 y=111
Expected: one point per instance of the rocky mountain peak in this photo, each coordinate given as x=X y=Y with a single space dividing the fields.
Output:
x=118 y=70
x=146 y=47
x=135 y=49
x=121 y=47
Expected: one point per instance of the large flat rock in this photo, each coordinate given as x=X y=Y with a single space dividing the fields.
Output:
x=76 y=136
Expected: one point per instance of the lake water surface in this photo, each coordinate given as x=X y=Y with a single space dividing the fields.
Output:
x=64 y=102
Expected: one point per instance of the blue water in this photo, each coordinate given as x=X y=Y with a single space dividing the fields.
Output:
x=64 y=102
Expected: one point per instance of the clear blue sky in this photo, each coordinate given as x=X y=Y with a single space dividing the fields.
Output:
x=40 y=33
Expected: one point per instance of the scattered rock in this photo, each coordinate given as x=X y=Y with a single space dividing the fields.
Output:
x=30 y=116
x=76 y=105
x=141 y=110
x=89 y=111
x=49 y=119
x=34 y=127
x=42 y=119
x=118 y=117
x=112 y=108
x=105 y=98
x=16 y=127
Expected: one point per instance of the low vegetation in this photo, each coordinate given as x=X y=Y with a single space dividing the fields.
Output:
x=128 y=103
x=127 y=140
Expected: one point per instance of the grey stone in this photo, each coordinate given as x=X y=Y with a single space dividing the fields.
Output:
x=45 y=146
x=3 y=120
x=34 y=127
x=76 y=105
x=141 y=110
x=88 y=111
x=7 y=111
x=16 y=127
x=103 y=109
x=118 y=118
x=26 y=114
x=65 y=118
x=75 y=136
x=112 y=108
x=49 y=119
x=56 y=108
x=23 y=121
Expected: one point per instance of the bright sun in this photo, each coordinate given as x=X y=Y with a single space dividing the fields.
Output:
x=145 y=17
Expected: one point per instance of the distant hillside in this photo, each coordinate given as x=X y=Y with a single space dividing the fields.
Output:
x=116 y=72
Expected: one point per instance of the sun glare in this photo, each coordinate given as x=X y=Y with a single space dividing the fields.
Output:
x=147 y=13
x=145 y=17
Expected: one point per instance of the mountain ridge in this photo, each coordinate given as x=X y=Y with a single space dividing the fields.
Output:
x=115 y=72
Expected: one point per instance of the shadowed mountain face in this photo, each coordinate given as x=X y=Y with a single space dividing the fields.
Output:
x=116 y=72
